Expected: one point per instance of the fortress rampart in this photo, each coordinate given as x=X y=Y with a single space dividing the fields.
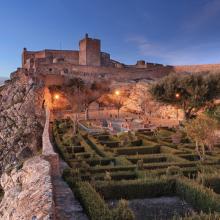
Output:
x=89 y=63
x=198 y=68
x=54 y=67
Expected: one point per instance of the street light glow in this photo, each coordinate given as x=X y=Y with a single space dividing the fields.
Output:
x=117 y=92
x=56 y=96
x=177 y=95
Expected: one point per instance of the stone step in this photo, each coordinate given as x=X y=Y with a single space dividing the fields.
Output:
x=66 y=205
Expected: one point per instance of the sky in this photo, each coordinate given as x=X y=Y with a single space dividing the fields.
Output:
x=171 y=32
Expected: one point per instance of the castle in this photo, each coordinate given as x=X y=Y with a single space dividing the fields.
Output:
x=89 y=63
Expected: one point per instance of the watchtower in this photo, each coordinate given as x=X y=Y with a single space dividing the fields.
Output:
x=90 y=51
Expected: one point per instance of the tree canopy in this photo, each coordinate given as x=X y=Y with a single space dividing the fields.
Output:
x=191 y=92
x=82 y=94
x=202 y=131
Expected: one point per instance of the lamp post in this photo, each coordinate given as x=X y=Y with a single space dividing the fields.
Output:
x=117 y=93
x=177 y=96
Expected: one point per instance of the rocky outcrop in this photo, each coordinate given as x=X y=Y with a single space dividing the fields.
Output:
x=137 y=98
x=28 y=192
x=21 y=119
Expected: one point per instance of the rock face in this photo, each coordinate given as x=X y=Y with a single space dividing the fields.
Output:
x=21 y=119
x=137 y=98
x=27 y=192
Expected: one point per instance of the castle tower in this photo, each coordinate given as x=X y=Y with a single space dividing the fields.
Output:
x=24 y=56
x=90 y=51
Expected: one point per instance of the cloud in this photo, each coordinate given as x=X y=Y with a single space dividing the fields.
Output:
x=145 y=47
x=176 y=54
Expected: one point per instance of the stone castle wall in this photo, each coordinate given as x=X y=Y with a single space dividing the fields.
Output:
x=32 y=59
x=54 y=67
x=58 y=73
x=198 y=68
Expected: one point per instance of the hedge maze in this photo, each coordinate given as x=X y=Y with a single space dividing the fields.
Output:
x=143 y=164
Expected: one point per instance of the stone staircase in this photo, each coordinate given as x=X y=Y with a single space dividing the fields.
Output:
x=66 y=205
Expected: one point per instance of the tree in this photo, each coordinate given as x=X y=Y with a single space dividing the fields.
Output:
x=93 y=93
x=202 y=131
x=81 y=94
x=115 y=99
x=191 y=92
x=214 y=111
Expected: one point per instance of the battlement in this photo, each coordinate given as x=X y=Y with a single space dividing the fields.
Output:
x=89 y=54
x=88 y=63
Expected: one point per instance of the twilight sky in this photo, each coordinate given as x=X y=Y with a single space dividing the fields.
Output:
x=163 y=31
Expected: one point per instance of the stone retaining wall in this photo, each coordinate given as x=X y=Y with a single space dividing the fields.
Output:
x=48 y=152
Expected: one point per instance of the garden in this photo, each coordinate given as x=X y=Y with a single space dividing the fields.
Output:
x=146 y=174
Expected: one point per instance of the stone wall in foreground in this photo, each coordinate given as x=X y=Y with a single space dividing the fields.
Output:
x=28 y=192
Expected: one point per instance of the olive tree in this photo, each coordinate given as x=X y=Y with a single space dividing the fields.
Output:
x=202 y=131
x=191 y=92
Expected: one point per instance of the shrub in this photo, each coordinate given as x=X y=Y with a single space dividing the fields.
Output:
x=133 y=189
x=153 y=158
x=93 y=204
x=122 y=212
x=136 y=143
x=173 y=171
x=201 y=216
x=140 y=164
x=108 y=176
x=122 y=161
x=111 y=144
x=176 y=137
x=199 y=196
x=138 y=150
x=98 y=148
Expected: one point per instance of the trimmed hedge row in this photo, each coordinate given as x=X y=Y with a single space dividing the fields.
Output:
x=200 y=197
x=160 y=159
x=60 y=146
x=202 y=216
x=94 y=205
x=213 y=183
x=111 y=144
x=137 y=150
x=97 y=147
x=122 y=161
x=102 y=169
x=134 y=189
x=167 y=164
x=117 y=175
x=101 y=161
x=169 y=150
